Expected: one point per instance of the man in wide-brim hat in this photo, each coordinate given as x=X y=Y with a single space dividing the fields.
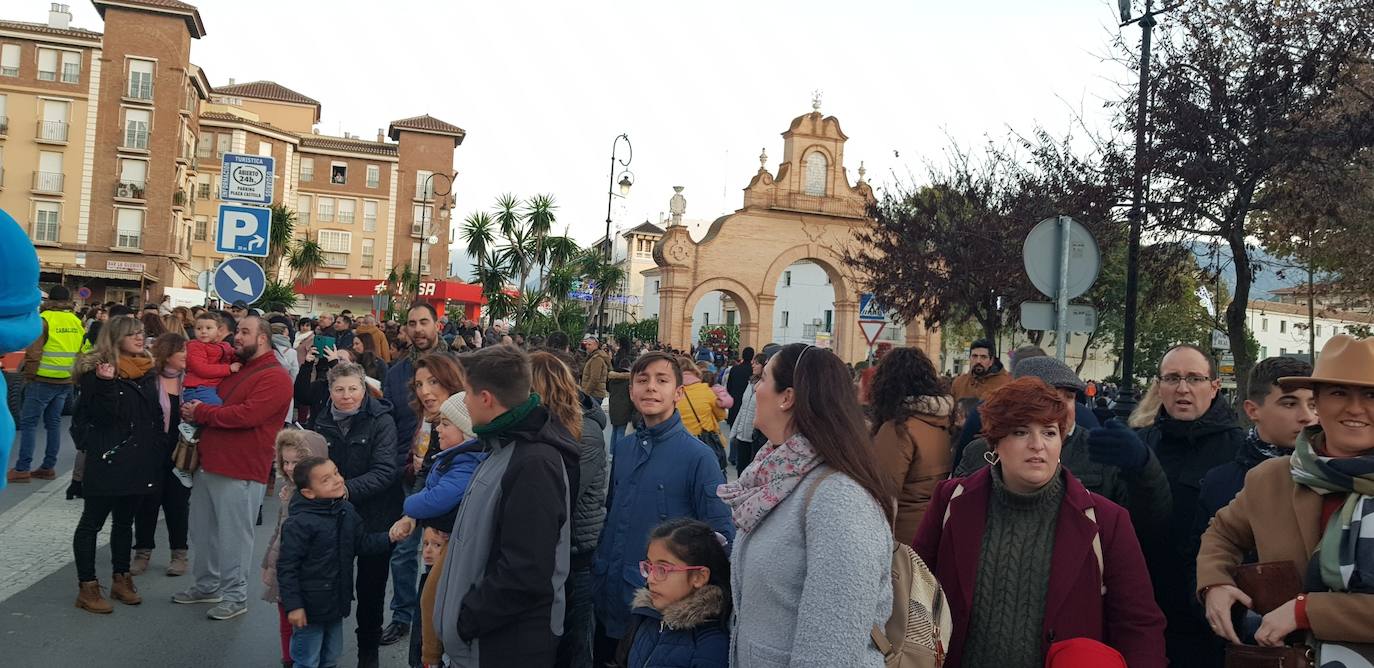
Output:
x=1308 y=509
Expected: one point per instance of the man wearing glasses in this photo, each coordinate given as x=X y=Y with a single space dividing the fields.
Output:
x=1193 y=433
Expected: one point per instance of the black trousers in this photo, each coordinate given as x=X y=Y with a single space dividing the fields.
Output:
x=370 y=587
x=417 y=626
x=93 y=515
x=174 y=500
x=604 y=648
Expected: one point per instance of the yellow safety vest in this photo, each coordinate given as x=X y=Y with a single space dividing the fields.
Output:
x=66 y=338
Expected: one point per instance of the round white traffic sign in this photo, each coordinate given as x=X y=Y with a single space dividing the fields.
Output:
x=1041 y=254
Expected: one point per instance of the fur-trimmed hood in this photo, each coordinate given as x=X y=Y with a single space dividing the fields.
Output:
x=939 y=406
x=700 y=607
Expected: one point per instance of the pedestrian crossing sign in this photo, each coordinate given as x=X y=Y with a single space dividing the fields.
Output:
x=869 y=310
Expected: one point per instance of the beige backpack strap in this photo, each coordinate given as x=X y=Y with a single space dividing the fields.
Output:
x=1097 y=548
x=958 y=489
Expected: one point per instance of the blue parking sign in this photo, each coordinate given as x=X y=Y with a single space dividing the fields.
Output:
x=243 y=230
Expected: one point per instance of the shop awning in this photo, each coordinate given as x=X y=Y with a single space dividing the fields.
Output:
x=126 y=276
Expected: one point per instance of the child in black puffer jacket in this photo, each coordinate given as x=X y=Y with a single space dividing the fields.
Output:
x=319 y=540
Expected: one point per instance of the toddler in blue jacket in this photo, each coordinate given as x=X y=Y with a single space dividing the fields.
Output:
x=435 y=506
x=678 y=620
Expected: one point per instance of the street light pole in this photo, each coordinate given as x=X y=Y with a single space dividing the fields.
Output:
x=1125 y=401
x=625 y=182
x=427 y=196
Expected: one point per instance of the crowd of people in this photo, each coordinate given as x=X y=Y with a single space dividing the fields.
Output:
x=469 y=468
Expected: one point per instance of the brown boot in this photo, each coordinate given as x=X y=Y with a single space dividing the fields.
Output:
x=179 y=564
x=140 y=562
x=91 y=600
x=124 y=591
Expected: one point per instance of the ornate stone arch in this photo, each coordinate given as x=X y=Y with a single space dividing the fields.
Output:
x=744 y=298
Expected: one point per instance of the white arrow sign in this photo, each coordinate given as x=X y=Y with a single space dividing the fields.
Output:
x=241 y=284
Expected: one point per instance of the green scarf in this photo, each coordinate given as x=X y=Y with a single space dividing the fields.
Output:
x=1346 y=561
x=508 y=419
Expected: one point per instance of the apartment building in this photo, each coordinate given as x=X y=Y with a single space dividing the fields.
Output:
x=94 y=146
x=111 y=144
x=370 y=203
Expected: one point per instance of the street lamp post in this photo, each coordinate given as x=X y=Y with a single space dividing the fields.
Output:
x=1125 y=401
x=626 y=180
x=424 y=217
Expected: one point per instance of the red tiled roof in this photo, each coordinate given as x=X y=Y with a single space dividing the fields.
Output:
x=43 y=28
x=349 y=145
x=426 y=123
x=193 y=22
x=231 y=118
x=265 y=90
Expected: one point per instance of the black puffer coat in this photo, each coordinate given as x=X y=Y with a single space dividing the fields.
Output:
x=589 y=512
x=118 y=424
x=365 y=453
x=315 y=564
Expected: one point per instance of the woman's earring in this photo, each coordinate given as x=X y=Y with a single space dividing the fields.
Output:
x=991 y=458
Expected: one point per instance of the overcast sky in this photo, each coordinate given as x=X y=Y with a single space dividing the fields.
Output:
x=543 y=88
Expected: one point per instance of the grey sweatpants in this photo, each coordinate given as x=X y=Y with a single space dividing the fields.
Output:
x=223 y=511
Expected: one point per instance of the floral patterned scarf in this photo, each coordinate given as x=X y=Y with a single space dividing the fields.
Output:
x=775 y=473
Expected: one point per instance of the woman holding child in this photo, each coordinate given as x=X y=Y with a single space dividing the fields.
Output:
x=362 y=442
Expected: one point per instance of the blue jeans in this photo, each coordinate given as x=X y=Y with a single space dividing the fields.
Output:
x=203 y=393
x=41 y=400
x=405 y=573
x=317 y=645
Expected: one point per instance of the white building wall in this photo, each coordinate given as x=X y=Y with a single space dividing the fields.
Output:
x=1281 y=333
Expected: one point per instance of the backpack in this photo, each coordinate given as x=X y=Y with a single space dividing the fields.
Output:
x=920 y=625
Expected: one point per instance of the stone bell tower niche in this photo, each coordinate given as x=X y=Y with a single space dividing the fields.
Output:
x=812 y=176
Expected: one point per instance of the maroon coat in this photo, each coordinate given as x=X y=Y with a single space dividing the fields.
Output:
x=1125 y=617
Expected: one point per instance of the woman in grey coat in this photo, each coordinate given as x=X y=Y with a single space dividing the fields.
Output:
x=810 y=571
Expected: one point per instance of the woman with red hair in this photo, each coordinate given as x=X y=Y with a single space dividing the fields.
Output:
x=1028 y=557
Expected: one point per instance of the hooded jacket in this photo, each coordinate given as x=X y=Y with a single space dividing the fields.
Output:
x=977 y=387
x=1187 y=450
x=595 y=373
x=914 y=453
x=688 y=634
x=436 y=505
x=590 y=511
x=366 y=456
x=315 y=566
x=501 y=597
x=658 y=473
x=123 y=440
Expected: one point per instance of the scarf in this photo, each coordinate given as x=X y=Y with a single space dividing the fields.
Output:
x=1262 y=450
x=775 y=473
x=134 y=366
x=164 y=398
x=414 y=354
x=509 y=418
x=1345 y=554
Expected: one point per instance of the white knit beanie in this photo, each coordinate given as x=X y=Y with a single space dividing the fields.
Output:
x=457 y=412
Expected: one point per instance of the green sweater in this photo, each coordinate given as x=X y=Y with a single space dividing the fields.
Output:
x=1013 y=577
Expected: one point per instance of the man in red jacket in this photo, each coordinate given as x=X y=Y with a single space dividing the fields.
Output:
x=236 y=452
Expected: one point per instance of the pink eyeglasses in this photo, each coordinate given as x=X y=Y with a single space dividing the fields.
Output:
x=650 y=570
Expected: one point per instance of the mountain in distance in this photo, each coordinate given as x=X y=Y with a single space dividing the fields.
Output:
x=1271 y=273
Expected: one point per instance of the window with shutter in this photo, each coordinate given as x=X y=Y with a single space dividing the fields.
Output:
x=71 y=67
x=136 y=123
x=129 y=228
x=47 y=221
x=140 y=79
x=369 y=215
x=9 y=60
x=47 y=64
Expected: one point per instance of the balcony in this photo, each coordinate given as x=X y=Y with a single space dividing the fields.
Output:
x=135 y=139
x=140 y=89
x=4 y=125
x=179 y=199
x=47 y=182
x=52 y=132
x=129 y=191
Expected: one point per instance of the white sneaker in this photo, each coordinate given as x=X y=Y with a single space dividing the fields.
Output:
x=184 y=477
x=189 y=432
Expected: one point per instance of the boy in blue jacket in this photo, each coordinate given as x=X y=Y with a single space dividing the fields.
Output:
x=659 y=473
x=321 y=536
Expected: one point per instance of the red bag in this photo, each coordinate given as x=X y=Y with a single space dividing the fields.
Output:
x=1083 y=653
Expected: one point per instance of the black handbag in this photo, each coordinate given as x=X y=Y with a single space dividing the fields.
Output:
x=710 y=437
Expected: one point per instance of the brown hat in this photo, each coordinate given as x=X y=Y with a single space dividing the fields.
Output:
x=1345 y=360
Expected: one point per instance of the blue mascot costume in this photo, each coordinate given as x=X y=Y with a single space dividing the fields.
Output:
x=19 y=321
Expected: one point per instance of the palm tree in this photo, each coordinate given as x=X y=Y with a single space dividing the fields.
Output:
x=279 y=243
x=606 y=274
x=539 y=219
x=305 y=257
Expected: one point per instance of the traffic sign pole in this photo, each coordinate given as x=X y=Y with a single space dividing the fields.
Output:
x=1062 y=321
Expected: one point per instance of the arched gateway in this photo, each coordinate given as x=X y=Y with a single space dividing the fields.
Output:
x=807 y=212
